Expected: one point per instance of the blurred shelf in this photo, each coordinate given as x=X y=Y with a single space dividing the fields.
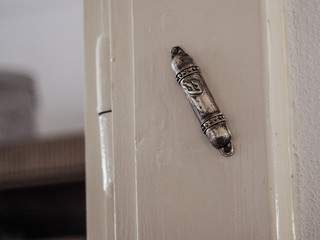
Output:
x=40 y=162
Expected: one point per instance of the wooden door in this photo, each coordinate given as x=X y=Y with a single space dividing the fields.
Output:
x=168 y=181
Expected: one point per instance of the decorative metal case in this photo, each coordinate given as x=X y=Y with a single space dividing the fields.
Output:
x=213 y=122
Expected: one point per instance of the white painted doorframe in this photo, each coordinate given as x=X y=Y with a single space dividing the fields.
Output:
x=278 y=124
x=116 y=17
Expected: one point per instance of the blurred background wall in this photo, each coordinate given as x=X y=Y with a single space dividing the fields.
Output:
x=43 y=38
x=42 y=172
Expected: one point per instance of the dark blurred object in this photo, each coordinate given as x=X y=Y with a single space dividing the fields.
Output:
x=42 y=181
x=17 y=107
x=46 y=161
x=47 y=212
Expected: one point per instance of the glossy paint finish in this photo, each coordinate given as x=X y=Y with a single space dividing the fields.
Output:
x=96 y=217
x=274 y=40
x=99 y=15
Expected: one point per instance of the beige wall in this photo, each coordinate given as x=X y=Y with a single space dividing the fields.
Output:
x=303 y=21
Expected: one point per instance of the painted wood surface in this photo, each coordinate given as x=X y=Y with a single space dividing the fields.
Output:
x=185 y=188
x=95 y=195
x=169 y=182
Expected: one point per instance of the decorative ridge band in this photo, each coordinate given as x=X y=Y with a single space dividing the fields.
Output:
x=213 y=120
x=186 y=72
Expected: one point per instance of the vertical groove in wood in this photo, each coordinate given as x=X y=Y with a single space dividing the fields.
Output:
x=123 y=118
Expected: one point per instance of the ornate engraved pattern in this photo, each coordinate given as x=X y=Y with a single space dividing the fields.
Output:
x=218 y=118
x=186 y=72
x=192 y=86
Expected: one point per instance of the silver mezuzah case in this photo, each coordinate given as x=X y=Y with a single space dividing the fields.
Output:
x=213 y=123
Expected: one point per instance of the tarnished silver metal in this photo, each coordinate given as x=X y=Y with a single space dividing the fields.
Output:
x=213 y=122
